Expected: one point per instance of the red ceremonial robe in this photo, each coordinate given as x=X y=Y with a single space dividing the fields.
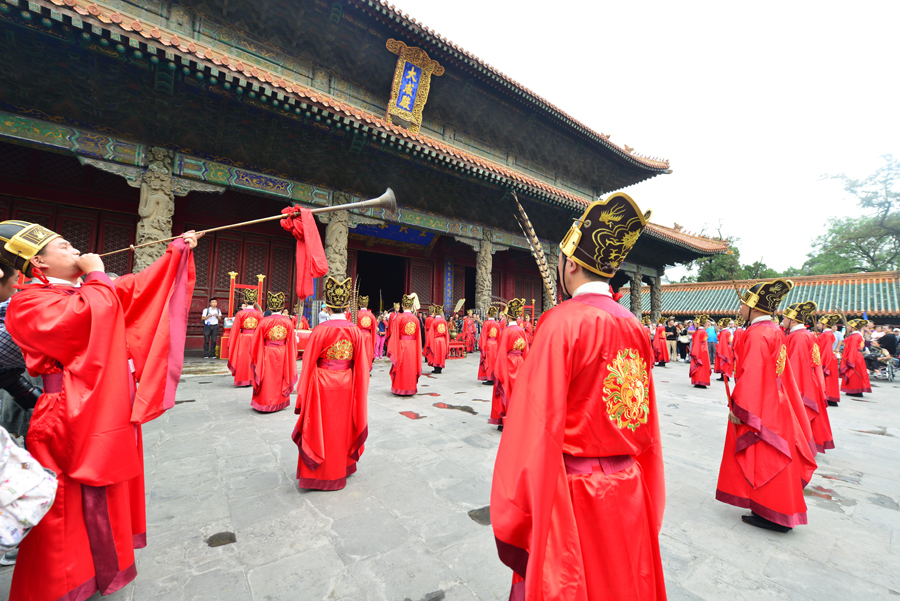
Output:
x=529 y=331
x=468 y=334
x=404 y=350
x=511 y=351
x=365 y=321
x=304 y=325
x=806 y=364
x=699 y=370
x=242 y=330
x=660 y=347
x=854 y=374
x=86 y=425
x=437 y=342
x=724 y=354
x=428 y=321
x=578 y=493
x=829 y=366
x=767 y=460
x=331 y=402
x=490 y=333
x=273 y=363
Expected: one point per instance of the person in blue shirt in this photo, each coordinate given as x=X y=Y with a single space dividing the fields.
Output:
x=711 y=339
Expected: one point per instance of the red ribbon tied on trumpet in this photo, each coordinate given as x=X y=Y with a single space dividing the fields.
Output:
x=311 y=261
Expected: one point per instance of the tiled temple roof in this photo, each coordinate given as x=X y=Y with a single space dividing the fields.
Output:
x=486 y=71
x=702 y=244
x=205 y=57
x=877 y=293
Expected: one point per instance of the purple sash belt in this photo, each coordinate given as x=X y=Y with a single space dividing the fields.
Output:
x=275 y=343
x=405 y=337
x=245 y=330
x=608 y=465
x=514 y=353
x=335 y=364
x=53 y=382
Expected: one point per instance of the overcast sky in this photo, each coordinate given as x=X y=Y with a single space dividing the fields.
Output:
x=751 y=102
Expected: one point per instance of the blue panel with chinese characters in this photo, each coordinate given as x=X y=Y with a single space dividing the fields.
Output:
x=409 y=87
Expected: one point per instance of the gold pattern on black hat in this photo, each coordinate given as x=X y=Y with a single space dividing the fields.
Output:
x=831 y=319
x=605 y=234
x=251 y=295
x=801 y=312
x=408 y=301
x=276 y=302
x=492 y=311
x=21 y=241
x=362 y=302
x=337 y=294
x=514 y=307
x=765 y=296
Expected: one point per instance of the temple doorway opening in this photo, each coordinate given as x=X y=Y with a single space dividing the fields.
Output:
x=469 y=288
x=384 y=273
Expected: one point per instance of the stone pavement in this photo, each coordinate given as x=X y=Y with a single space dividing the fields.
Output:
x=402 y=530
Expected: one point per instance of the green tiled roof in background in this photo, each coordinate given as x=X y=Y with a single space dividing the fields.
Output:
x=878 y=294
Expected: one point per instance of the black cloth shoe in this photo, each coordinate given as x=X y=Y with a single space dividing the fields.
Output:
x=500 y=428
x=720 y=379
x=832 y=403
x=761 y=522
x=699 y=386
x=488 y=383
x=854 y=394
x=436 y=370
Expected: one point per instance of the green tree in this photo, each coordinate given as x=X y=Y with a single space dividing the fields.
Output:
x=718 y=267
x=870 y=242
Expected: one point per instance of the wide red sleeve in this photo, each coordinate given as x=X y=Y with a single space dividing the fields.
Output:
x=82 y=329
x=501 y=364
x=362 y=359
x=156 y=303
x=308 y=434
x=258 y=353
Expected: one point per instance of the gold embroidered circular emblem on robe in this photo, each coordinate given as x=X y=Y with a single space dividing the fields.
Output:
x=250 y=323
x=782 y=359
x=441 y=328
x=365 y=321
x=277 y=333
x=816 y=355
x=626 y=390
x=409 y=329
x=492 y=333
x=519 y=344
x=340 y=350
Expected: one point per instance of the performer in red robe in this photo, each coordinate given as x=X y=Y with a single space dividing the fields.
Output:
x=699 y=370
x=724 y=351
x=767 y=460
x=830 y=365
x=365 y=321
x=438 y=341
x=806 y=364
x=528 y=326
x=242 y=329
x=853 y=371
x=273 y=363
x=468 y=332
x=404 y=350
x=511 y=350
x=490 y=333
x=331 y=397
x=660 y=346
x=425 y=331
x=91 y=343
x=578 y=492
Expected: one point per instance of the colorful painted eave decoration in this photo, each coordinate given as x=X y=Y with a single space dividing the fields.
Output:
x=97 y=14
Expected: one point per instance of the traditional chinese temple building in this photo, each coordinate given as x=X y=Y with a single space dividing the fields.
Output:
x=124 y=121
x=877 y=295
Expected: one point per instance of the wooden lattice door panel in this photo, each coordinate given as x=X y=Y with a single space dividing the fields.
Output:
x=495 y=285
x=421 y=277
x=34 y=212
x=256 y=251
x=116 y=232
x=228 y=257
x=79 y=228
x=281 y=278
x=520 y=289
x=351 y=265
x=4 y=208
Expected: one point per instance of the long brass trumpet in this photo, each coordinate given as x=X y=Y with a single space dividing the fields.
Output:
x=388 y=200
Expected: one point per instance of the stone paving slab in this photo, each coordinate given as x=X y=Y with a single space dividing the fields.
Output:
x=401 y=529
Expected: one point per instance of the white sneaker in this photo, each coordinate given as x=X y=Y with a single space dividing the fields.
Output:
x=9 y=559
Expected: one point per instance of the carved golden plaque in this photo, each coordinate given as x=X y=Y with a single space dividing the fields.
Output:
x=412 y=80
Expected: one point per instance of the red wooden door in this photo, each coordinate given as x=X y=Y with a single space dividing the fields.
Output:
x=116 y=231
x=421 y=279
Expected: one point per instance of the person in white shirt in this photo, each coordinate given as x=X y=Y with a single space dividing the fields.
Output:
x=323 y=315
x=210 y=317
x=838 y=337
